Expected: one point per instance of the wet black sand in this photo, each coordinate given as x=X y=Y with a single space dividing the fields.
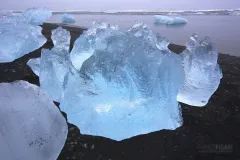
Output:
x=211 y=132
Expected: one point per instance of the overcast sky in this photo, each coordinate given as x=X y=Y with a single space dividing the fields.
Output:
x=120 y=4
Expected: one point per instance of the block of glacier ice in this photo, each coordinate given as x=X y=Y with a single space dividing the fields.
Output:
x=128 y=84
x=169 y=20
x=18 y=39
x=37 y=16
x=202 y=72
x=34 y=64
x=32 y=127
x=54 y=64
x=67 y=18
x=19 y=33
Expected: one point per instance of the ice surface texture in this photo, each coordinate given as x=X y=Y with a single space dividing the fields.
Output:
x=84 y=46
x=128 y=84
x=67 y=19
x=202 y=72
x=169 y=20
x=32 y=127
x=54 y=64
x=18 y=34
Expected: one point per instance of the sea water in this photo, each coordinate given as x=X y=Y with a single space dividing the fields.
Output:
x=222 y=29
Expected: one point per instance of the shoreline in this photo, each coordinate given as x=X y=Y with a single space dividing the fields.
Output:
x=216 y=123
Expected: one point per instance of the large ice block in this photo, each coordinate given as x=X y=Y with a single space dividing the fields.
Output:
x=202 y=72
x=18 y=37
x=18 y=40
x=128 y=83
x=113 y=81
x=37 y=16
x=31 y=126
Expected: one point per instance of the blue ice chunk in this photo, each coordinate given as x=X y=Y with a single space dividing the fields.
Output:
x=83 y=47
x=166 y=20
x=126 y=84
x=61 y=40
x=18 y=40
x=20 y=34
x=202 y=72
x=34 y=64
x=54 y=64
x=67 y=18
x=37 y=16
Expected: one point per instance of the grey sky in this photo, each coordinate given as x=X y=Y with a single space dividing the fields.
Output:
x=119 y=4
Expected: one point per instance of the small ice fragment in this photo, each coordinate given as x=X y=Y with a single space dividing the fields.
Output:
x=61 y=40
x=162 y=42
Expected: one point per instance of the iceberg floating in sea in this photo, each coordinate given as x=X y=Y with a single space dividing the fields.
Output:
x=32 y=127
x=67 y=19
x=166 y=20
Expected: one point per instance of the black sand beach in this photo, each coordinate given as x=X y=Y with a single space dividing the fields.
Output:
x=211 y=132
